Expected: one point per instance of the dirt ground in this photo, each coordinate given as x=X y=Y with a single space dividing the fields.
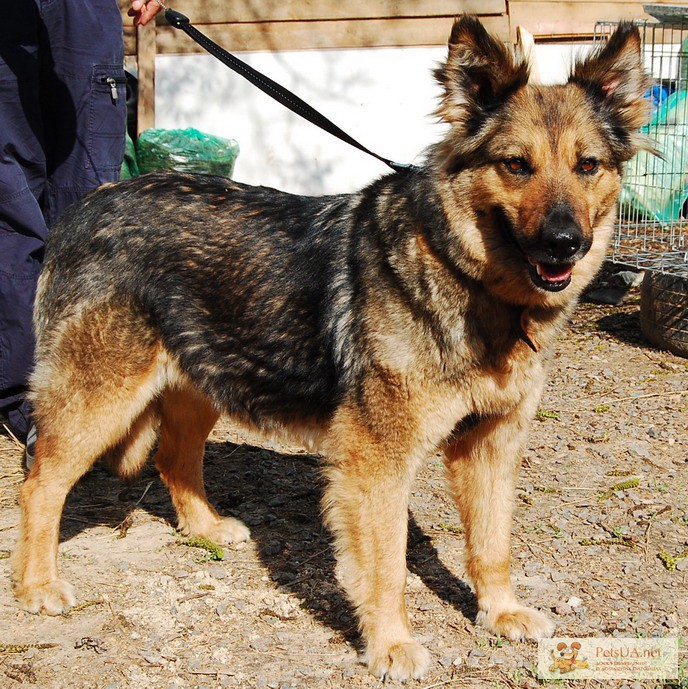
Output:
x=156 y=613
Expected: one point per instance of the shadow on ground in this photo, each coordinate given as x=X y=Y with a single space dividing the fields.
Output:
x=278 y=496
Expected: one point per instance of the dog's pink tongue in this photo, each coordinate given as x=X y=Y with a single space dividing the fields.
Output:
x=553 y=273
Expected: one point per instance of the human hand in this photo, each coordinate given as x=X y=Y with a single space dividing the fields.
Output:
x=143 y=11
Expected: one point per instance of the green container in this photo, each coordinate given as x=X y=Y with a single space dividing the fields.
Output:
x=130 y=166
x=185 y=150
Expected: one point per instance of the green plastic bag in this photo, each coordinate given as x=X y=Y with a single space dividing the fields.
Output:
x=657 y=187
x=130 y=167
x=185 y=150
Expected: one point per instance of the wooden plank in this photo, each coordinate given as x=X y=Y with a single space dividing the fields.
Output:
x=146 y=51
x=322 y=35
x=547 y=19
x=251 y=11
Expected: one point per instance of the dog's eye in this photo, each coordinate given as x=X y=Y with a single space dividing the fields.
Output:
x=517 y=165
x=588 y=166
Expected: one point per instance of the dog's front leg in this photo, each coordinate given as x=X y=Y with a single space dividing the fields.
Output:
x=366 y=507
x=482 y=466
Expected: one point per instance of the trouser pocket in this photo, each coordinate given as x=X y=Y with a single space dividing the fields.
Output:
x=107 y=119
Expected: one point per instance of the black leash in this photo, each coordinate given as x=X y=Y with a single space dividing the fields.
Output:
x=272 y=88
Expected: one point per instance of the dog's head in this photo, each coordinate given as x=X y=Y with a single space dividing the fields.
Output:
x=537 y=168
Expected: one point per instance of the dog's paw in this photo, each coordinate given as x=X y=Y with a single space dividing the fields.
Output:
x=400 y=661
x=52 y=598
x=227 y=531
x=516 y=623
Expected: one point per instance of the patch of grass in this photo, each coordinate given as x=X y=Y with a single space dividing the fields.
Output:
x=544 y=414
x=661 y=487
x=558 y=532
x=82 y=606
x=22 y=648
x=607 y=542
x=602 y=408
x=670 y=561
x=214 y=552
x=598 y=438
x=451 y=528
x=622 y=485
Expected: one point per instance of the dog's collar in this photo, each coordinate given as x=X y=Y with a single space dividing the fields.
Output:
x=522 y=331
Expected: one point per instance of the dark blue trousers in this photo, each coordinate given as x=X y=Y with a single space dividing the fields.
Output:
x=62 y=126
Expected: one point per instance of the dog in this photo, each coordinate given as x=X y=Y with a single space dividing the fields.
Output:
x=565 y=659
x=383 y=325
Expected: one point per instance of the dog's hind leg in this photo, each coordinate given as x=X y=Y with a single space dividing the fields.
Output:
x=187 y=417
x=482 y=466
x=366 y=507
x=87 y=395
x=130 y=455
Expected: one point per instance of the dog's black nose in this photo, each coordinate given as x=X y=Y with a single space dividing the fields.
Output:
x=561 y=236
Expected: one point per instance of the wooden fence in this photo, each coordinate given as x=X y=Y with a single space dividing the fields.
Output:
x=257 y=25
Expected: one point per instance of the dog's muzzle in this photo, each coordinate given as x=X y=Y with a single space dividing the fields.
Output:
x=551 y=256
x=560 y=245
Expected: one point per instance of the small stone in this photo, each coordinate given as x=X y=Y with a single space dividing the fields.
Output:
x=262 y=644
x=574 y=602
x=531 y=568
x=151 y=658
x=272 y=548
x=640 y=448
x=643 y=618
x=217 y=572
x=221 y=608
x=563 y=609
x=627 y=278
x=670 y=621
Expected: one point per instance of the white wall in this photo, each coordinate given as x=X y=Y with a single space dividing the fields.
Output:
x=383 y=97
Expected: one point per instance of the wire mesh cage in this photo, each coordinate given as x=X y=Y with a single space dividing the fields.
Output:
x=651 y=231
x=652 y=225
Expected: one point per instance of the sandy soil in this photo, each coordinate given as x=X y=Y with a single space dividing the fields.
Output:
x=156 y=613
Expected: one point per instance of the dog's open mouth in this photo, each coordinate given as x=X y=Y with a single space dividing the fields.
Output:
x=553 y=277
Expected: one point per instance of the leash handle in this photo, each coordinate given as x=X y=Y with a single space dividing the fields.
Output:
x=273 y=89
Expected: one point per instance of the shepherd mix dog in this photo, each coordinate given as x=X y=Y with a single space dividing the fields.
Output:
x=413 y=316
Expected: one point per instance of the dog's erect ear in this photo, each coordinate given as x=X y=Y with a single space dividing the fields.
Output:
x=614 y=78
x=479 y=74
